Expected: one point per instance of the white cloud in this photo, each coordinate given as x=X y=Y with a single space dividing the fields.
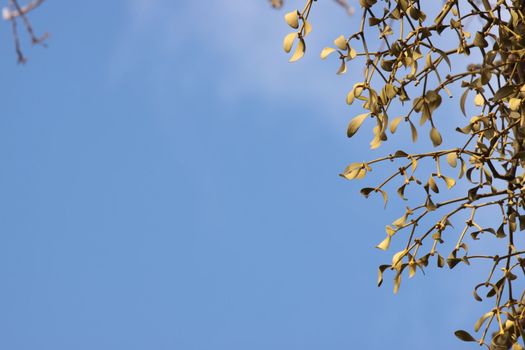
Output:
x=233 y=47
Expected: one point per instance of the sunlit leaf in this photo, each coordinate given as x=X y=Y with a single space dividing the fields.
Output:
x=354 y=171
x=326 y=52
x=352 y=53
x=476 y=296
x=435 y=136
x=452 y=159
x=430 y=205
x=394 y=124
x=482 y=320
x=397 y=282
x=413 y=131
x=479 y=100
x=389 y=230
x=411 y=269
x=517 y=346
x=342 y=68
x=400 y=222
x=514 y=104
x=462 y=101
x=462 y=168
x=340 y=42
x=432 y=184
x=307 y=28
x=407 y=73
x=288 y=41
x=385 y=243
x=401 y=192
x=355 y=124
x=299 y=51
x=350 y=97
x=382 y=269
x=397 y=257
x=384 y=195
x=376 y=142
x=449 y=181
x=292 y=18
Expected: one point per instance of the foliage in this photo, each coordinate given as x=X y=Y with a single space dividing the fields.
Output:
x=418 y=63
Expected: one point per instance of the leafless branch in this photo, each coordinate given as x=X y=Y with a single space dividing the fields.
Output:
x=8 y=14
x=15 y=11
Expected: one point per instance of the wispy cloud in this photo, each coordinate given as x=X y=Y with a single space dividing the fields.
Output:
x=233 y=48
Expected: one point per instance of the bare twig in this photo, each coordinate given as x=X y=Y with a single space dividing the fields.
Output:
x=15 y=11
x=8 y=14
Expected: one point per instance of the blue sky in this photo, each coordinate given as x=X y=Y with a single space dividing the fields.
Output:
x=169 y=181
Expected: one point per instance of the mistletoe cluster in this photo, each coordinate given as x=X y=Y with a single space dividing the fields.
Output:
x=412 y=53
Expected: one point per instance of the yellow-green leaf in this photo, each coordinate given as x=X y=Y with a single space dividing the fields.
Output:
x=482 y=319
x=354 y=171
x=351 y=54
x=462 y=102
x=375 y=143
x=340 y=42
x=355 y=124
x=382 y=268
x=307 y=28
x=435 y=136
x=384 y=195
x=396 y=259
x=479 y=100
x=413 y=164
x=390 y=91
x=358 y=89
x=452 y=159
x=449 y=181
x=350 y=97
x=430 y=205
x=292 y=18
x=413 y=131
x=385 y=243
x=517 y=346
x=299 y=51
x=400 y=222
x=462 y=169
x=288 y=41
x=387 y=31
x=397 y=282
x=394 y=124
x=432 y=184
x=326 y=51
x=514 y=104
x=411 y=269
x=342 y=68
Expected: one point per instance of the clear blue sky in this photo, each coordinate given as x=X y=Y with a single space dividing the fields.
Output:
x=169 y=181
